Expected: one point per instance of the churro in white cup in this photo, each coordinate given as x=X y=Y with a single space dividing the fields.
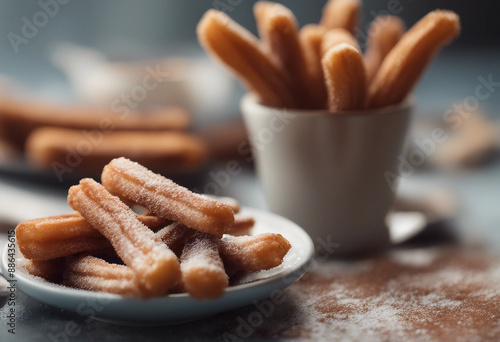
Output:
x=330 y=173
x=327 y=121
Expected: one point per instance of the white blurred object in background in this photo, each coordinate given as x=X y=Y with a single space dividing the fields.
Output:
x=193 y=83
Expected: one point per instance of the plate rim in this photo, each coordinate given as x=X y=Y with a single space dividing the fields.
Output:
x=50 y=289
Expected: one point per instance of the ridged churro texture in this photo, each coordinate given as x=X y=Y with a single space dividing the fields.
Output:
x=344 y=14
x=50 y=270
x=175 y=237
x=203 y=273
x=254 y=253
x=406 y=62
x=384 y=33
x=345 y=78
x=336 y=36
x=311 y=38
x=161 y=151
x=164 y=198
x=156 y=267
x=240 y=51
x=94 y=274
x=65 y=235
x=18 y=119
x=279 y=32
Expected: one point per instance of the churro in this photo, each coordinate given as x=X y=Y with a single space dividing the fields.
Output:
x=384 y=33
x=337 y=36
x=242 y=225
x=175 y=237
x=239 y=50
x=345 y=78
x=161 y=151
x=18 y=119
x=164 y=198
x=156 y=267
x=231 y=202
x=49 y=270
x=278 y=30
x=203 y=273
x=311 y=38
x=254 y=253
x=65 y=235
x=405 y=63
x=106 y=247
x=342 y=14
x=94 y=274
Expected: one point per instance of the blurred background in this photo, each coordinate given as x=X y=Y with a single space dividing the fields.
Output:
x=134 y=30
x=61 y=58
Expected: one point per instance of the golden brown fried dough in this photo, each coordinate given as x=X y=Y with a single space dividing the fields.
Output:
x=164 y=198
x=65 y=235
x=254 y=253
x=94 y=274
x=18 y=119
x=345 y=78
x=56 y=148
x=406 y=62
x=239 y=50
x=203 y=273
x=155 y=266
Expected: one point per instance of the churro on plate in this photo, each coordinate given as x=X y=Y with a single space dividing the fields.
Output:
x=67 y=234
x=104 y=246
x=167 y=151
x=239 y=50
x=345 y=77
x=311 y=38
x=337 y=36
x=155 y=265
x=166 y=199
x=95 y=274
x=203 y=272
x=254 y=253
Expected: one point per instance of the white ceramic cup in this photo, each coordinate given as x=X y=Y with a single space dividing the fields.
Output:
x=327 y=172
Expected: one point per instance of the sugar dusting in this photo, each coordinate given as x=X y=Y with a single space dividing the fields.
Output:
x=440 y=295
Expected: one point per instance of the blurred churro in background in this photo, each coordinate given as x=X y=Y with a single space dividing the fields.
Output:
x=342 y=14
x=404 y=64
x=286 y=58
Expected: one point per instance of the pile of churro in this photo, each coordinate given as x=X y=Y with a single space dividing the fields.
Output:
x=322 y=65
x=183 y=242
x=63 y=137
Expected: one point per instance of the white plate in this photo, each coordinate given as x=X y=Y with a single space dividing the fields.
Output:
x=178 y=308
